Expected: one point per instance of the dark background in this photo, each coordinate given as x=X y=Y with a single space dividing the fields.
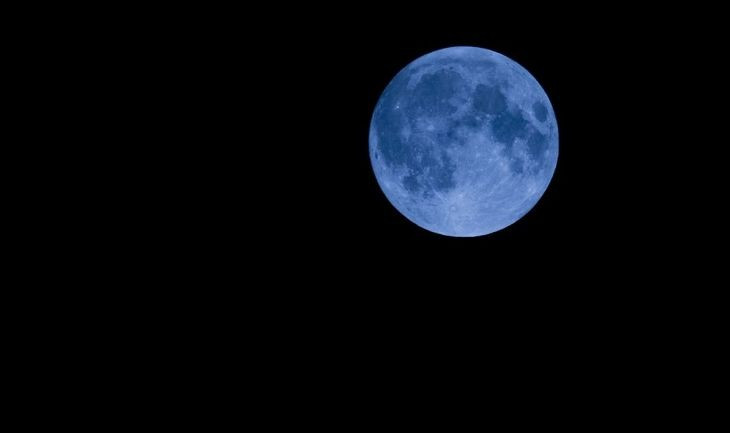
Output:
x=290 y=230
x=267 y=176
x=246 y=232
x=267 y=170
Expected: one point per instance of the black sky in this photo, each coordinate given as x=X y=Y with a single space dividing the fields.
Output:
x=288 y=123
x=264 y=227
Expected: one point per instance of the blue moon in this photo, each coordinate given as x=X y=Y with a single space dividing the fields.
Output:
x=463 y=141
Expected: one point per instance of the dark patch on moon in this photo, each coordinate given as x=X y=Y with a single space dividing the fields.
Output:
x=394 y=150
x=469 y=120
x=517 y=165
x=432 y=93
x=389 y=119
x=508 y=126
x=489 y=100
x=540 y=111
x=419 y=155
x=431 y=170
x=443 y=176
x=410 y=183
x=536 y=145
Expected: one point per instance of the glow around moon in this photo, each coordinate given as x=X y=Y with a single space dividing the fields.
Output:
x=463 y=141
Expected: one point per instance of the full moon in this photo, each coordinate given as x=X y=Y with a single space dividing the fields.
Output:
x=463 y=141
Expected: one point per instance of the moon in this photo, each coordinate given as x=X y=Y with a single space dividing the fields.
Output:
x=463 y=141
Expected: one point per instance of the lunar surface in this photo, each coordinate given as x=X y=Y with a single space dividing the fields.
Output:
x=463 y=141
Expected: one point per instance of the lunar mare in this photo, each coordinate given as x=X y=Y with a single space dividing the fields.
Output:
x=463 y=141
